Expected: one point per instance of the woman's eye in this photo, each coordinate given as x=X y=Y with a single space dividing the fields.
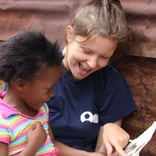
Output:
x=105 y=58
x=87 y=52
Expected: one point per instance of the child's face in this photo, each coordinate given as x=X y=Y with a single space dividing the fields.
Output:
x=38 y=91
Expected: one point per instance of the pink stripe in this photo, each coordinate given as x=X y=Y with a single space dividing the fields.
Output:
x=5 y=140
x=4 y=126
x=47 y=142
x=53 y=153
x=44 y=123
x=17 y=148
x=23 y=133
x=40 y=113
x=18 y=123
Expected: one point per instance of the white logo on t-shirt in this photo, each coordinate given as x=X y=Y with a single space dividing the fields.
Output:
x=88 y=116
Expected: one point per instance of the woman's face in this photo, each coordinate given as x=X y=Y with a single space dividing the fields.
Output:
x=84 y=58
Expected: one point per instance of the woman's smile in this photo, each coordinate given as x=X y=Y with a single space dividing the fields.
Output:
x=83 y=70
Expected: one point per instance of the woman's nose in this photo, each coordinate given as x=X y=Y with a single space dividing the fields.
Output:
x=92 y=62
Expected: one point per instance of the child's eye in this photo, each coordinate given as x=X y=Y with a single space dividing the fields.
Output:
x=49 y=89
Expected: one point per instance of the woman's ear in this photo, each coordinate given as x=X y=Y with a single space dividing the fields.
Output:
x=69 y=34
x=19 y=84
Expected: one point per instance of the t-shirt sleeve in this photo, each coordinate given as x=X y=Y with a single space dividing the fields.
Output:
x=115 y=100
x=5 y=132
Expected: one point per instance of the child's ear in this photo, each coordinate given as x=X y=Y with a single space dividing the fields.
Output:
x=69 y=34
x=20 y=84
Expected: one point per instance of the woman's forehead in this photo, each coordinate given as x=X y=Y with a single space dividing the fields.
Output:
x=86 y=40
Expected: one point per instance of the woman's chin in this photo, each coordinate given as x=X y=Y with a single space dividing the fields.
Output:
x=79 y=76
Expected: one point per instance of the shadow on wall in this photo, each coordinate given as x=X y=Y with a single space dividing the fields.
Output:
x=140 y=74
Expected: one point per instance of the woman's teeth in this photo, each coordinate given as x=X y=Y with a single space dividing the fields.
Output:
x=85 y=68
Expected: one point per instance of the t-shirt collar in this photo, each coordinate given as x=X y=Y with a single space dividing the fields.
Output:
x=5 y=109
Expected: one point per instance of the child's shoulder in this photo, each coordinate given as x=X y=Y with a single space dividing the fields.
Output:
x=3 y=122
x=45 y=109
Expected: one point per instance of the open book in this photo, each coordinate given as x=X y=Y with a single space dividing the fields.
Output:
x=136 y=145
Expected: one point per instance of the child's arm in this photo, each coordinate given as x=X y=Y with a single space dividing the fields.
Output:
x=51 y=134
x=3 y=149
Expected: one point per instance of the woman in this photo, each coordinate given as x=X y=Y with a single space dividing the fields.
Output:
x=92 y=97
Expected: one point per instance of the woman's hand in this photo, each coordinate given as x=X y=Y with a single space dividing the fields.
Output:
x=36 y=136
x=115 y=139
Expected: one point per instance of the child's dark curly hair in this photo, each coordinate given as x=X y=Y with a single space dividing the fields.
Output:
x=23 y=55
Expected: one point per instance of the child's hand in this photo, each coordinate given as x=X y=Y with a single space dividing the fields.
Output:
x=36 y=136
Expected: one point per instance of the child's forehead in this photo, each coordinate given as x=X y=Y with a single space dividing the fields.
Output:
x=48 y=73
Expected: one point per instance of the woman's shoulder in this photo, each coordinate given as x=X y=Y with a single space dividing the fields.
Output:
x=109 y=72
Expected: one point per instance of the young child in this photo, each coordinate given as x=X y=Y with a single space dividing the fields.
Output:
x=31 y=65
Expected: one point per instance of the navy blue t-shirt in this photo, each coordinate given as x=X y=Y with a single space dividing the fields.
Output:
x=80 y=107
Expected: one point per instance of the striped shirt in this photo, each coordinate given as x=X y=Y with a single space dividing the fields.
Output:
x=14 y=126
